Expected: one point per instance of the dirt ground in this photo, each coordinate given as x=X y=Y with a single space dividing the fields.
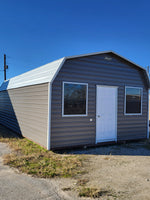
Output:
x=120 y=171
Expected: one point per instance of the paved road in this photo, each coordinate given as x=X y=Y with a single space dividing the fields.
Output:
x=15 y=186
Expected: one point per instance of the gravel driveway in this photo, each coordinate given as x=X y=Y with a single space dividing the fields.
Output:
x=123 y=170
x=137 y=148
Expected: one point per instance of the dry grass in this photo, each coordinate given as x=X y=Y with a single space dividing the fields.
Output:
x=31 y=158
x=95 y=193
x=82 y=182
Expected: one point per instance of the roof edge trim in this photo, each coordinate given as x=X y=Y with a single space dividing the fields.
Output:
x=98 y=53
x=103 y=52
x=60 y=66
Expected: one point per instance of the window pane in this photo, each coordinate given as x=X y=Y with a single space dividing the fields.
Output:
x=133 y=100
x=74 y=99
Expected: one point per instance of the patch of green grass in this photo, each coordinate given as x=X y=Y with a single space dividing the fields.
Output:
x=95 y=193
x=31 y=158
x=89 y=192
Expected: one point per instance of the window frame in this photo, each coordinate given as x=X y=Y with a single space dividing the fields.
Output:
x=75 y=115
x=125 y=100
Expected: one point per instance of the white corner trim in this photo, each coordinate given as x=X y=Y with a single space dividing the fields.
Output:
x=59 y=68
x=49 y=117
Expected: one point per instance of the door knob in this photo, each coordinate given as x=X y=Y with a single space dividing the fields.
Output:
x=98 y=115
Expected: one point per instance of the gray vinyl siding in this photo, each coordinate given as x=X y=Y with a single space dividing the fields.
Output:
x=25 y=110
x=96 y=70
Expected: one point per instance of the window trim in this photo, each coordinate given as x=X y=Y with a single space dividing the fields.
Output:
x=125 y=101
x=75 y=115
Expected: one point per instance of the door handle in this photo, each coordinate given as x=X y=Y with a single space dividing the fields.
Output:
x=98 y=116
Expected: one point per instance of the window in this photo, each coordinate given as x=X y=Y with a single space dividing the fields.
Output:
x=74 y=99
x=133 y=100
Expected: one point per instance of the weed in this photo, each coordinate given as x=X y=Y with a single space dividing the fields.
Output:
x=67 y=189
x=107 y=158
x=95 y=192
x=82 y=182
x=31 y=158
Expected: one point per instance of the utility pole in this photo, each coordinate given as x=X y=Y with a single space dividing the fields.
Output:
x=148 y=70
x=5 y=67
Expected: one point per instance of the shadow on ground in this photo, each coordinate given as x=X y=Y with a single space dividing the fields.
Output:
x=7 y=133
x=138 y=148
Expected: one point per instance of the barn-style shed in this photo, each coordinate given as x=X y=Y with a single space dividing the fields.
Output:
x=79 y=100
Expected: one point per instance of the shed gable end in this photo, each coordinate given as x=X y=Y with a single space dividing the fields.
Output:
x=96 y=70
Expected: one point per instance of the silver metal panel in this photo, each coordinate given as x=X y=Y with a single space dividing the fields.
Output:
x=43 y=74
x=25 y=110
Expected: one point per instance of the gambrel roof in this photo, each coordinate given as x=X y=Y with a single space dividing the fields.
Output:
x=48 y=72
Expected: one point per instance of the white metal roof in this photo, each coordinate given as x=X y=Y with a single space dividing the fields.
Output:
x=48 y=72
x=39 y=75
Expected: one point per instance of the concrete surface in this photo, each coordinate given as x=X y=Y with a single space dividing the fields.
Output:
x=15 y=186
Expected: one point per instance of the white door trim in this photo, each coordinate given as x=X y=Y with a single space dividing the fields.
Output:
x=96 y=141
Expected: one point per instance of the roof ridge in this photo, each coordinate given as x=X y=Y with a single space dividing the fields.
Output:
x=48 y=72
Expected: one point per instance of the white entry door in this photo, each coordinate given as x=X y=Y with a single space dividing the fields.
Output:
x=106 y=114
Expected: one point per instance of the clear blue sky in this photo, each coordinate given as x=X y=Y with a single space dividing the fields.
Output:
x=35 y=32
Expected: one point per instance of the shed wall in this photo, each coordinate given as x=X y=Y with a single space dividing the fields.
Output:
x=149 y=110
x=25 y=110
x=96 y=70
